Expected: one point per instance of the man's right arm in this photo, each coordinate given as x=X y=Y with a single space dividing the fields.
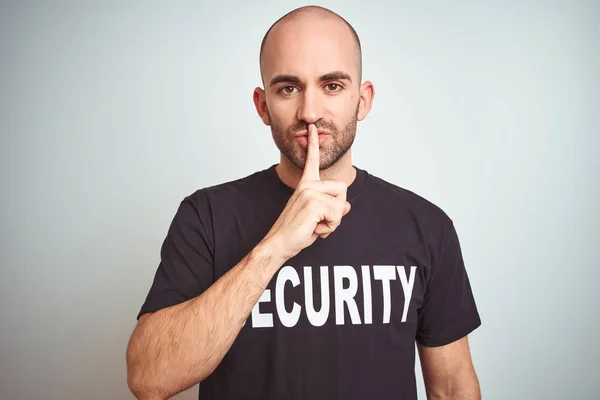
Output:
x=174 y=348
x=179 y=346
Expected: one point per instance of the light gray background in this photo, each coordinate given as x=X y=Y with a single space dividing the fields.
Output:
x=112 y=112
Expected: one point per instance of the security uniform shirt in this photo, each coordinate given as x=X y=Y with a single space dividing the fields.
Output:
x=340 y=319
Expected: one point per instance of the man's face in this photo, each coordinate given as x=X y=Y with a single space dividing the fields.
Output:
x=310 y=72
x=334 y=141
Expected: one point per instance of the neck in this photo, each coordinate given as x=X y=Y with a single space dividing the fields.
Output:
x=342 y=170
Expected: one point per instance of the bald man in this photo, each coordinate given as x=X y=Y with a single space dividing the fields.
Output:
x=310 y=279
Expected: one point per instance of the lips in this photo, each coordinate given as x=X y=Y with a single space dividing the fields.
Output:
x=303 y=139
x=319 y=132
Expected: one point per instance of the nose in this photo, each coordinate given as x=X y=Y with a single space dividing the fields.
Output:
x=311 y=108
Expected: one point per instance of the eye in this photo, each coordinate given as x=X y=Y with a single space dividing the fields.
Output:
x=287 y=90
x=334 y=87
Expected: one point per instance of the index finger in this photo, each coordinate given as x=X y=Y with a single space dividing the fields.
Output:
x=311 y=167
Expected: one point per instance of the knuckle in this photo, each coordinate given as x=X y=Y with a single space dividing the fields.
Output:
x=306 y=193
x=331 y=209
x=313 y=203
x=303 y=185
x=334 y=215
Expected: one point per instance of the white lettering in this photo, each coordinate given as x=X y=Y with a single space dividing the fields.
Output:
x=288 y=319
x=314 y=317
x=367 y=296
x=345 y=295
x=407 y=287
x=262 y=320
x=385 y=273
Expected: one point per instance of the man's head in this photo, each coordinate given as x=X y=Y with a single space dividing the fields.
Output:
x=311 y=65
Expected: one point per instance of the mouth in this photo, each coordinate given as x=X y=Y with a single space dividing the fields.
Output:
x=320 y=132
x=303 y=138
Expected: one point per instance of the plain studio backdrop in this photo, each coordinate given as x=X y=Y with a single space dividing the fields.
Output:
x=112 y=112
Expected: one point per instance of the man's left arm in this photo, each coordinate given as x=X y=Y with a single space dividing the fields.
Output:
x=448 y=371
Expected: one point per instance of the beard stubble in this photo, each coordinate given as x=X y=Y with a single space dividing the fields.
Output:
x=336 y=145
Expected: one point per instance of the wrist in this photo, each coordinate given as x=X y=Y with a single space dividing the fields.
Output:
x=265 y=260
x=272 y=247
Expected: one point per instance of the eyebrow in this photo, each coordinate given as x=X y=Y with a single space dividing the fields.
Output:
x=336 y=75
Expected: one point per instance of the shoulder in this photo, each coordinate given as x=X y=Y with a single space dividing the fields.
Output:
x=411 y=212
x=229 y=191
x=402 y=199
x=202 y=209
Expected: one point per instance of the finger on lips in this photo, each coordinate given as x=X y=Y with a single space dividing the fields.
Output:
x=311 y=167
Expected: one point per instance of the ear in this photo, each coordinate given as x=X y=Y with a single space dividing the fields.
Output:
x=367 y=92
x=260 y=102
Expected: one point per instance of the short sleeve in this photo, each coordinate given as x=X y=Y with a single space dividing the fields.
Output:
x=186 y=261
x=449 y=311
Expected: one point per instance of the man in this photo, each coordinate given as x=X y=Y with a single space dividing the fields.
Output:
x=311 y=279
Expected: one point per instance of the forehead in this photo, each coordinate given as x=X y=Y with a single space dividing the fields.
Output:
x=309 y=49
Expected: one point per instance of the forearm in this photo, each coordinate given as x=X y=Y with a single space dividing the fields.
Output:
x=181 y=345
x=464 y=389
x=466 y=394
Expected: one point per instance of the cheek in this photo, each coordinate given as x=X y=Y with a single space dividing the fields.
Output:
x=282 y=112
x=343 y=110
x=283 y=117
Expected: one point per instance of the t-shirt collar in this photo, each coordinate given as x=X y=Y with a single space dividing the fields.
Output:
x=355 y=188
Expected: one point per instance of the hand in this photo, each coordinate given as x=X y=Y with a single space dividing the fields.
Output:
x=315 y=208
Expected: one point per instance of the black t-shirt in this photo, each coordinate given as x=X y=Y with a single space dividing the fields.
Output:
x=340 y=319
